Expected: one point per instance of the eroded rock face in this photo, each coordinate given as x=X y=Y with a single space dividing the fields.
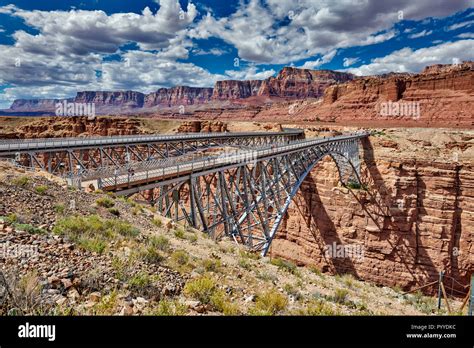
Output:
x=127 y=99
x=301 y=83
x=75 y=126
x=416 y=220
x=234 y=89
x=202 y=126
x=180 y=95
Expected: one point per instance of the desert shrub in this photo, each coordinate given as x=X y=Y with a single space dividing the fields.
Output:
x=114 y=211
x=151 y=255
x=21 y=295
x=245 y=264
x=179 y=233
x=201 y=289
x=29 y=228
x=105 y=202
x=269 y=303
x=180 y=257
x=211 y=265
x=157 y=222
x=167 y=307
x=285 y=265
x=268 y=277
x=340 y=296
x=41 y=189
x=21 y=181
x=221 y=303
x=59 y=208
x=316 y=307
x=160 y=242
x=93 y=232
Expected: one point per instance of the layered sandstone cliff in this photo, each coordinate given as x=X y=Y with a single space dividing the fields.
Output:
x=415 y=219
x=235 y=89
x=54 y=127
x=301 y=83
x=180 y=95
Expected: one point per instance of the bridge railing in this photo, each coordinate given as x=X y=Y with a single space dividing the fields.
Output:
x=214 y=161
x=26 y=144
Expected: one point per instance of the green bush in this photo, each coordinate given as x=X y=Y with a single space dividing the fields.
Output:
x=160 y=242
x=29 y=228
x=41 y=189
x=179 y=233
x=211 y=265
x=340 y=296
x=285 y=265
x=114 y=211
x=168 y=307
x=21 y=181
x=105 y=202
x=269 y=303
x=201 y=289
x=157 y=222
x=59 y=208
x=180 y=257
x=93 y=232
x=151 y=255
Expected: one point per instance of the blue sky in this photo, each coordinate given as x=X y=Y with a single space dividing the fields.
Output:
x=58 y=47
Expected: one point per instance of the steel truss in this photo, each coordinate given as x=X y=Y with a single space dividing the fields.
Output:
x=247 y=201
x=76 y=156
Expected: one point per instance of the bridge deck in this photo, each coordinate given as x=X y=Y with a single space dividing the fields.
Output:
x=50 y=144
x=167 y=170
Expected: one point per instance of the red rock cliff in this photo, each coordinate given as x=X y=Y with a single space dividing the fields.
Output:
x=180 y=95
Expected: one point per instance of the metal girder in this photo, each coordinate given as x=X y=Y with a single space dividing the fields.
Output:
x=245 y=200
x=77 y=156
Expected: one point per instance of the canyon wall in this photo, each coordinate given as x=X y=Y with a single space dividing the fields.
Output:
x=54 y=127
x=180 y=95
x=415 y=220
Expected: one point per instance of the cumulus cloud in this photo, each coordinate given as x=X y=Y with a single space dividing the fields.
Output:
x=249 y=73
x=409 y=60
x=323 y=60
x=314 y=27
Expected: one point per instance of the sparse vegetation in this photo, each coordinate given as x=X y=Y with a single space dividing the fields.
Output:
x=211 y=265
x=160 y=242
x=21 y=181
x=269 y=303
x=41 y=189
x=167 y=307
x=105 y=202
x=340 y=296
x=179 y=233
x=285 y=265
x=59 y=208
x=93 y=232
x=180 y=257
x=201 y=289
x=114 y=211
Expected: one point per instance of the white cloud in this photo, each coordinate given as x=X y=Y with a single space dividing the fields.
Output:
x=315 y=27
x=323 y=60
x=461 y=25
x=350 y=61
x=466 y=36
x=212 y=52
x=421 y=34
x=408 y=60
x=249 y=73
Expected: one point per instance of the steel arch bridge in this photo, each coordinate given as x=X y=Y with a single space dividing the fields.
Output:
x=74 y=156
x=243 y=195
